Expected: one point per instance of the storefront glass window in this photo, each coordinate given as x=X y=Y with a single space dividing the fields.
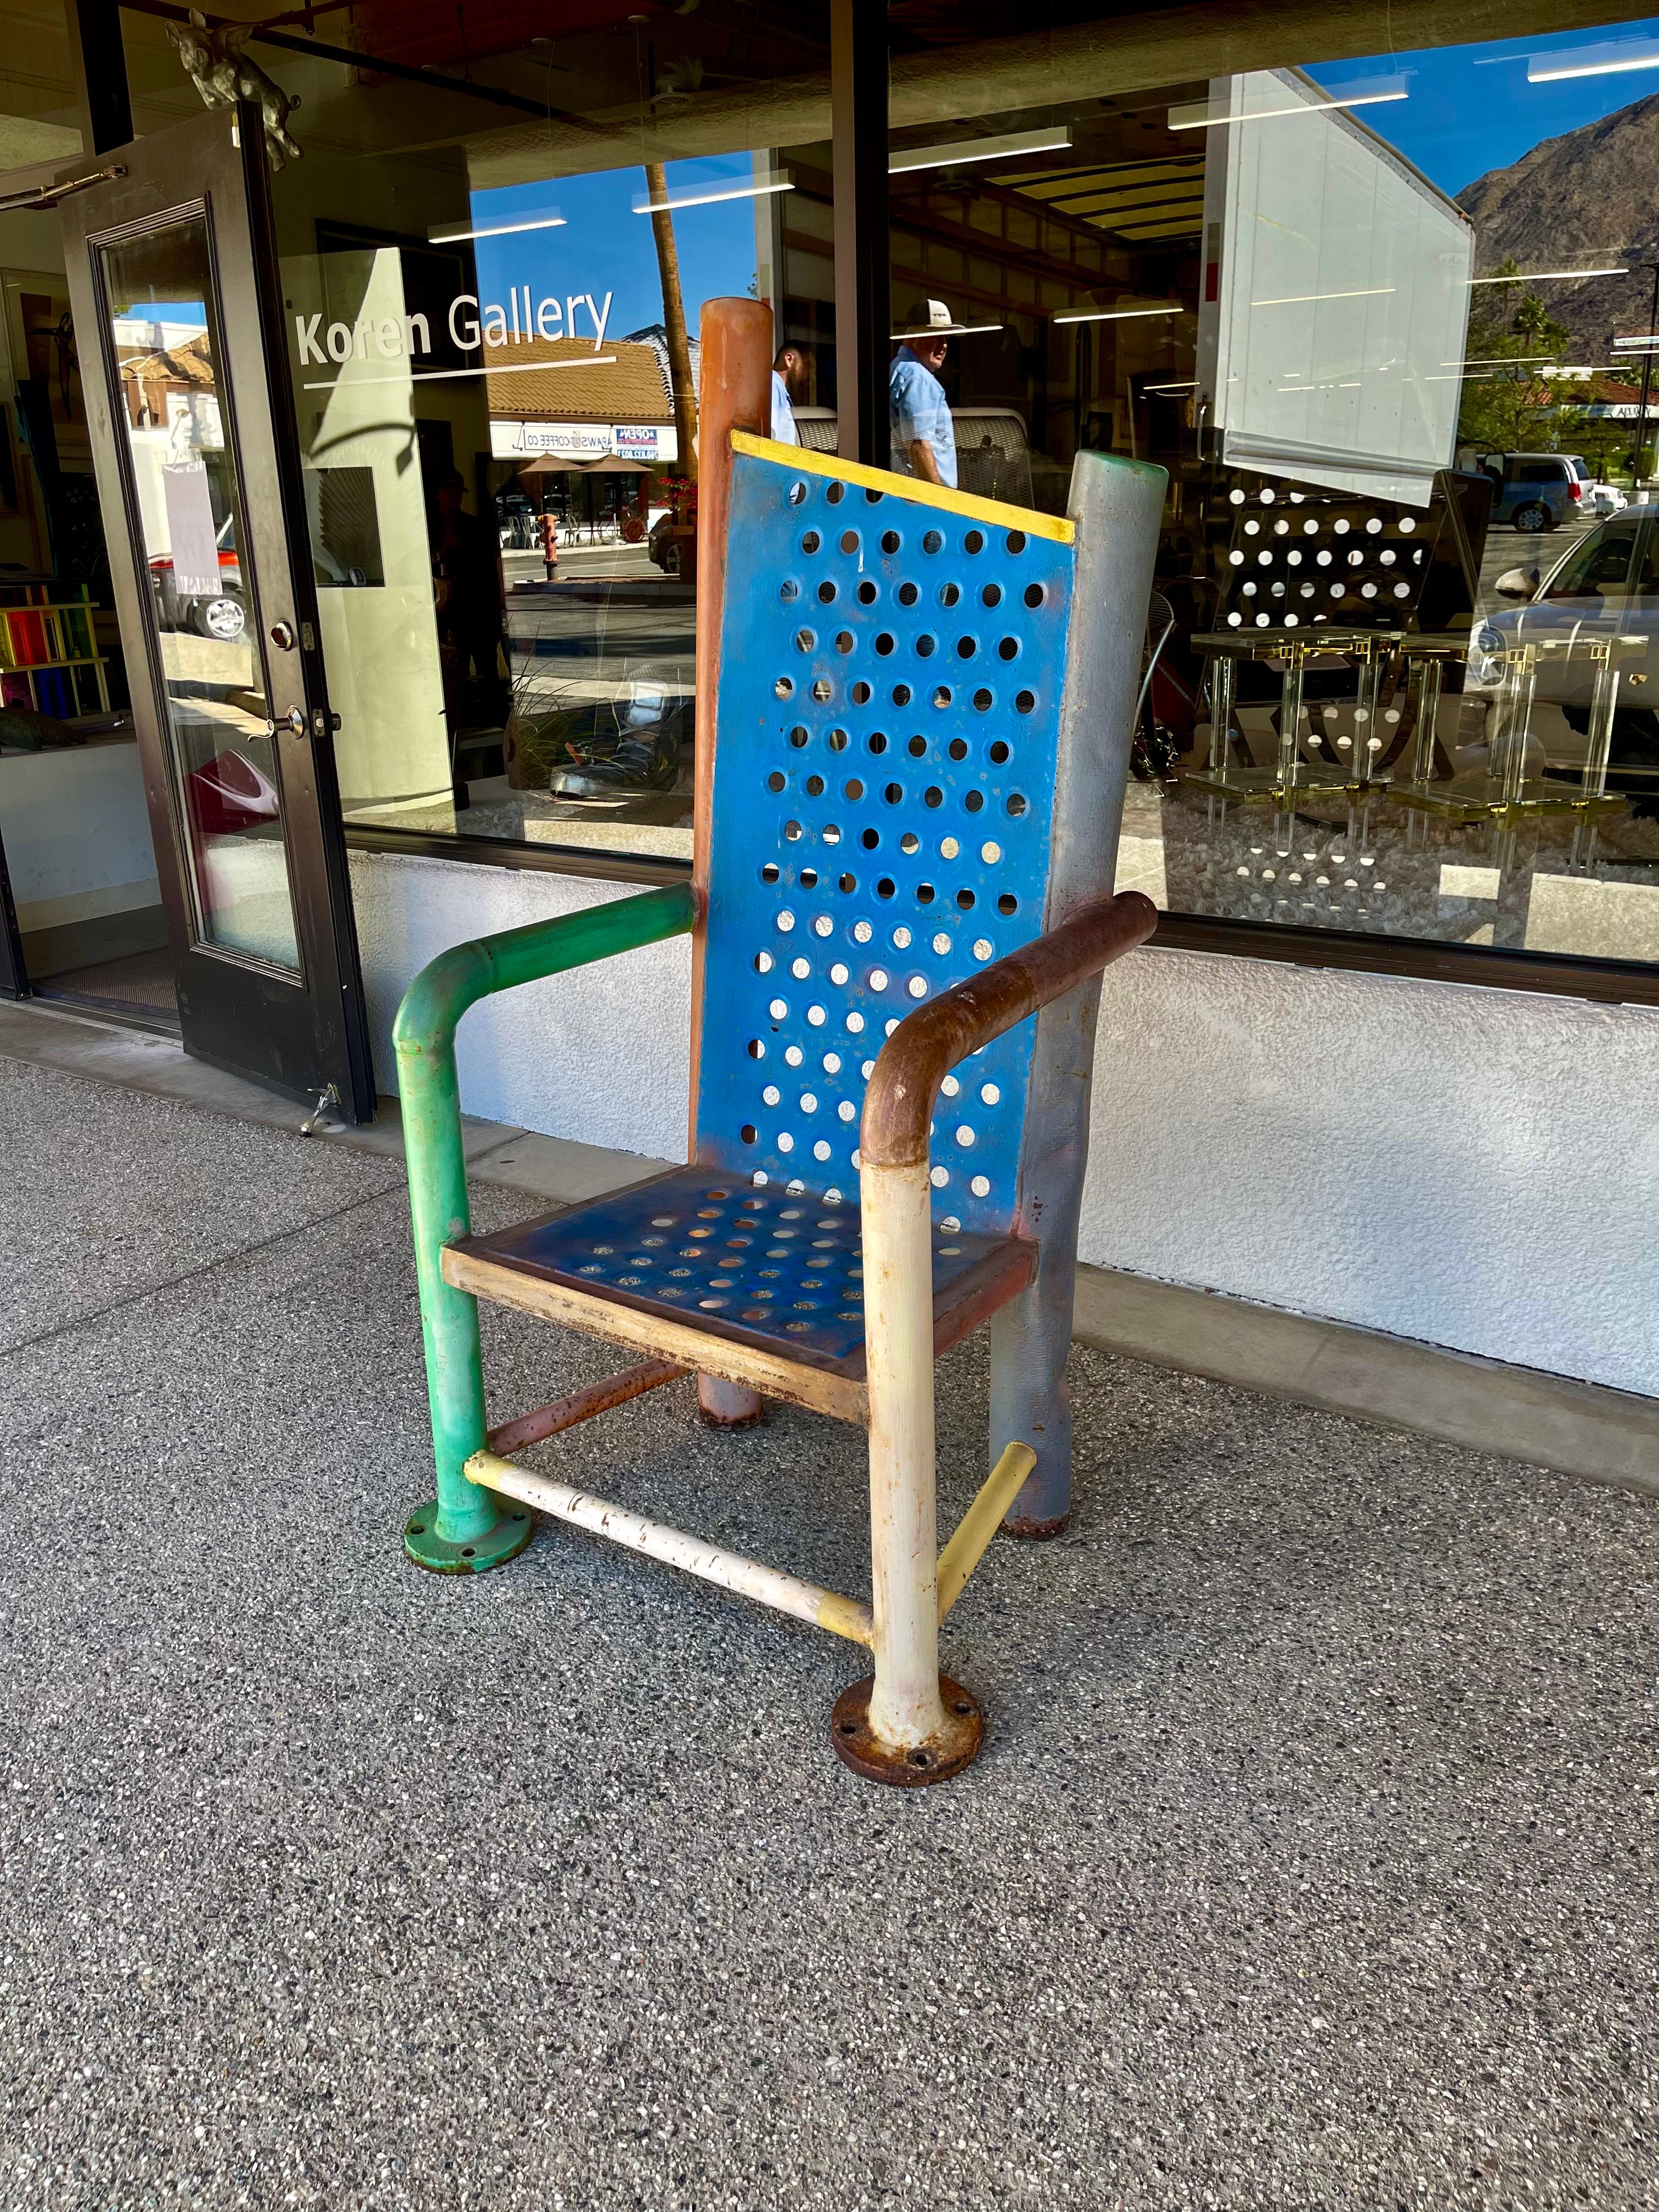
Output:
x=493 y=350
x=1388 y=323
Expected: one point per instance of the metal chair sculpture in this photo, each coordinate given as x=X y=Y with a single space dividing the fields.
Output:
x=913 y=731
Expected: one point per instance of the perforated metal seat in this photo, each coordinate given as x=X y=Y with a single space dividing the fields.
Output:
x=911 y=768
x=765 y=1265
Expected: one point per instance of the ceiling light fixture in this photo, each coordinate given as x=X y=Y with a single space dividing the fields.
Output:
x=1610 y=58
x=1055 y=139
x=1198 y=115
x=483 y=368
x=1307 y=299
x=945 y=330
x=1119 y=314
x=706 y=195
x=554 y=221
x=1546 y=276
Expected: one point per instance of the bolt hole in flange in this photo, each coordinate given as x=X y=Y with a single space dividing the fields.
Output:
x=944 y=1754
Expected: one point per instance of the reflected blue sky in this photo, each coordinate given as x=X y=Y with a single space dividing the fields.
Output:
x=603 y=246
x=1470 y=109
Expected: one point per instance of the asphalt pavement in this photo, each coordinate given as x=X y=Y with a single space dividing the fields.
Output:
x=1310 y=1862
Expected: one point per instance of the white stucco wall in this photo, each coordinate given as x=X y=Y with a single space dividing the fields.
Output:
x=601 y=1055
x=1476 y=1168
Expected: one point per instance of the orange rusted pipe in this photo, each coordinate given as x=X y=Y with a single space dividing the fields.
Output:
x=898 y=1104
x=581 y=1406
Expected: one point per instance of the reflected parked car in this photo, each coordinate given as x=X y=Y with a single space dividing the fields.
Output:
x=1604 y=588
x=1536 y=491
x=222 y=614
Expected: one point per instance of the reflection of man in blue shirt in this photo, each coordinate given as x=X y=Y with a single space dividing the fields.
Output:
x=789 y=374
x=923 y=441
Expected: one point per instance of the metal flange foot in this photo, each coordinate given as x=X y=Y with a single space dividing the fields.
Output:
x=937 y=1760
x=511 y=1533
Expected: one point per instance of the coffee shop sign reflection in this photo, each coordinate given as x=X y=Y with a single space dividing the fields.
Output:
x=395 y=338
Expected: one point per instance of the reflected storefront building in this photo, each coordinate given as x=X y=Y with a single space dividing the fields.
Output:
x=1396 y=710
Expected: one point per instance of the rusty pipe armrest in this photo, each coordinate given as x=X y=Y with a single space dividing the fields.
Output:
x=927 y=1045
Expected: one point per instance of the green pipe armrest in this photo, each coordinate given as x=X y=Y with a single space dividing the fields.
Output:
x=424 y=1035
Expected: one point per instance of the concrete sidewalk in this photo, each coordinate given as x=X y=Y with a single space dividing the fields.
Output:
x=1310 y=1861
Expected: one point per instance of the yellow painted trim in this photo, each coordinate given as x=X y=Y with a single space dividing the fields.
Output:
x=995 y=511
x=981 y=1522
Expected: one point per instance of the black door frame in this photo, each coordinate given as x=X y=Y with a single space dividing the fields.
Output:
x=13 y=975
x=296 y=1034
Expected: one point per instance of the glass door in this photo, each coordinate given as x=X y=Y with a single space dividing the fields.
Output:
x=172 y=275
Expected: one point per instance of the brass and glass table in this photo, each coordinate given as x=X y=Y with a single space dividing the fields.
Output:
x=1504 y=792
x=1368 y=651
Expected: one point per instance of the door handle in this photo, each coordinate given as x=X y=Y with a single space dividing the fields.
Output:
x=296 y=719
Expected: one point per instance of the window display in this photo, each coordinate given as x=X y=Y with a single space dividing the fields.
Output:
x=1388 y=323
x=1388 y=320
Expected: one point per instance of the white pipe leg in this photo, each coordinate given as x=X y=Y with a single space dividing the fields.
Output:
x=905 y=1708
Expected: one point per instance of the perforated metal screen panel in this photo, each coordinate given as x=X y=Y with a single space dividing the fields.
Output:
x=890 y=692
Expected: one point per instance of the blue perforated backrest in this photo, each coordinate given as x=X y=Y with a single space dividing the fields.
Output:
x=891 y=664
